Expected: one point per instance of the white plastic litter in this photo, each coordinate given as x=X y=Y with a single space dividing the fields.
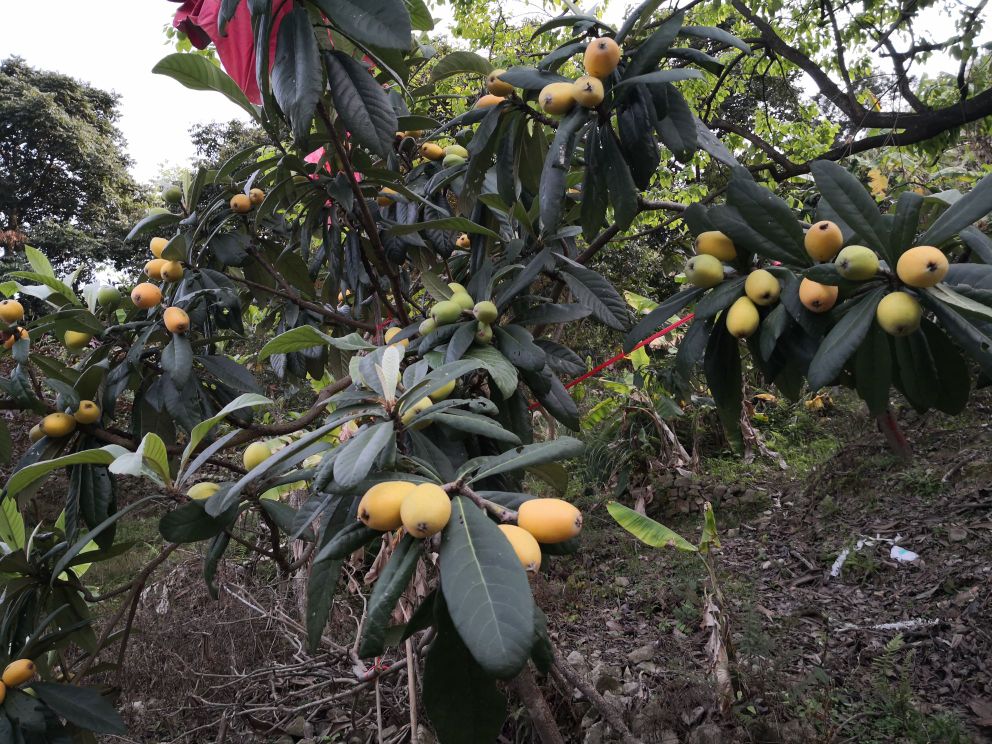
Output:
x=902 y=555
x=899 y=554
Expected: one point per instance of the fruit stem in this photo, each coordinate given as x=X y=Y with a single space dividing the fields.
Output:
x=497 y=510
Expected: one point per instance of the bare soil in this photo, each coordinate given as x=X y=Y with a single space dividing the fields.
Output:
x=886 y=651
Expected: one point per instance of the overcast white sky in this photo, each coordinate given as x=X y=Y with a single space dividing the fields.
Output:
x=114 y=44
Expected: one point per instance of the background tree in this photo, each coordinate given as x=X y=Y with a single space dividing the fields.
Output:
x=64 y=184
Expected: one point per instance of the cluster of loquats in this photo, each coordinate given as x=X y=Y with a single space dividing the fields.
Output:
x=898 y=313
x=62 y=424
x=424 y=509
x=146 y=296
x=17 y=673
x=601 y=58
x=254 y=455
x=12 y=313
x=244 y=203
x=461 y=304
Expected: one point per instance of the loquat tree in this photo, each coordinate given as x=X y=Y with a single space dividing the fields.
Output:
x=407 y=269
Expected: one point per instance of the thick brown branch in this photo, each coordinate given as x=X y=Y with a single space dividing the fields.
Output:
x=331 y=315
x=923 y=124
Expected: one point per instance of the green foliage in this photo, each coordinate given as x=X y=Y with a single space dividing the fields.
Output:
x=66 y=188
x=310 y=263
x=845 y=345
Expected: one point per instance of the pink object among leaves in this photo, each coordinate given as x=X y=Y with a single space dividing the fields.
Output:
x=236 y=46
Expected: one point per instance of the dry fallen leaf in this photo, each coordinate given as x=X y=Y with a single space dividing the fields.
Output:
x=982 y=708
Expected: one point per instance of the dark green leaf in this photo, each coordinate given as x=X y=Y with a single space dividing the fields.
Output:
x=214 y=553
x=230 y=372
x=177 y=359
x=595 y=197
x=722 y=366
x=376 y=23
x=595 y=292
x=84 y=541
x=659 y=77
x=83 y=706
x=356 y=460
x=460 y=62
x=979 y=243
x=907 y=220
x=716 y=34
x=549 y=313
x=852 y=202
x=953 y=377
x=772 y=327
x=361 y=103
x=325 y=570
x=769 y=216
x=873 y=370
x=720 y=297
x=619 y=182
x=198 y=73
x=678 y=129
x=190 y=523
x=711 y=144
x=578 y=20
x=528 y=78
x=733 y=224
x=635 y=124
x=557 y=165
x=917 y=378
x=346 y=541
x=647 y=56
x=521 y=457
x=486 y=591
x=227 y=10
x=843 y=339
x=964 y=212
x=296 y=77
x=691 y=348
x=561 y=359
x=559 y=403
x=472 y=423
x=463 y=702
x=657 y=318
x=389 y=585
x=639 y=14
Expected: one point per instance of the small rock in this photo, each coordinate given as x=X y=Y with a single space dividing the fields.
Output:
x=576 y=659
x=694 y=716
x=649 y=667
x=644 y=653
x=622 y=581
x=708 y=733
x=956 y=534
x=595 y=734
x=605 y=679
x=424 y=735
x=631 y=688
x=297 y=728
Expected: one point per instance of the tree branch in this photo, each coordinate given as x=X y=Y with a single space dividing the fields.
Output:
x=398 y=311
